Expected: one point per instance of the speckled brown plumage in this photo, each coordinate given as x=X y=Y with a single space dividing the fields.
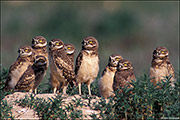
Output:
x=161 y=66
x=124 y=75
x=62 y=72
x=25 y=58
x=32 y=77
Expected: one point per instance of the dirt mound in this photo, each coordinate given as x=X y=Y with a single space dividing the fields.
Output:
x=20 y=112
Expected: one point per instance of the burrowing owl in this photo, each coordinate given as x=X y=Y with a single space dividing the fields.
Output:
x=124 y=75
x=39 y=45
x=107 y=79
x=32 y=77
x=161 y=66
x=87 y=63
x=25 y=58
x=70 y=50
x=61 y=66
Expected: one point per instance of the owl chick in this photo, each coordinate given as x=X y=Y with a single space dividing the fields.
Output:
x=39 y=45
x=25 y=58
x=87 y=63
x=107 y=79
x=161 y=66
x=70 y=50
x=124 y=75
x=61 y=66
x=33 y=76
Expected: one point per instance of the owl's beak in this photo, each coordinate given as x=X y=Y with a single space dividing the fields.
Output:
x=84 y=43
x=51 y=45
x=120 y=66
x=34 y=42
x=20 y=51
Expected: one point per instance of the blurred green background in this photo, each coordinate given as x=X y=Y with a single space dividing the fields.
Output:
x=132 y=29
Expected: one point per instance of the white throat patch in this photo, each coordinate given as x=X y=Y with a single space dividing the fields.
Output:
x=70 y=52
x=59 y=46
x=40 y=45
x=26 y=54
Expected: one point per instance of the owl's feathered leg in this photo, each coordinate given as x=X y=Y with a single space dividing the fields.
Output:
x=79 y=84
x=64 y=90
x=54 y=83
x=30 y=90
x=89 y=89
x=35 y=91
x=54 y=90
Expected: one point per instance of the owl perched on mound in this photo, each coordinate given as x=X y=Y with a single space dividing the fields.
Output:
x=25 y=58
x=87 y=63
x=61 y=66
x=124 y=75
x=107 y=79
x=33 y=76
x=161 y=66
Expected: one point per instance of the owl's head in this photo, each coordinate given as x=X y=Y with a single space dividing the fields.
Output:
x=124 y=65
x=114 y=59
x=40 y=61
x=90 y=43
x=25 y=50
x=69 y=49
x=39 y=42
x=160 y=52
x=56 y=44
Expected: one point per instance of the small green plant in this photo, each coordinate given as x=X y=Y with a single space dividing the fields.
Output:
x=3 y=75
x=143 y=101
x=5 y=110
x=52 y=108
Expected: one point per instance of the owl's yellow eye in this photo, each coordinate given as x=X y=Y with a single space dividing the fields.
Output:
x=90 y=42
x=57 y=43
x=162 y=51
x=117 y=59
x=26 y=50
x=68 y=48
x=125 y=64
x=40 y=41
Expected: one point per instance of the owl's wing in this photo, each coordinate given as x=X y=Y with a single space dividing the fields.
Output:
x=26 y=79
x=14 y=66
x=78 y=62
x=104 y=71
x=71 y=57
x=131 y=78
x=170 y=68
x=7 y=87
x=66 y=65
x=117 y=80
x=171 y=72
x=69 y=75
x=63 y=60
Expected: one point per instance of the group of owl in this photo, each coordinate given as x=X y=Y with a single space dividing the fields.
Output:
x=29 y=69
